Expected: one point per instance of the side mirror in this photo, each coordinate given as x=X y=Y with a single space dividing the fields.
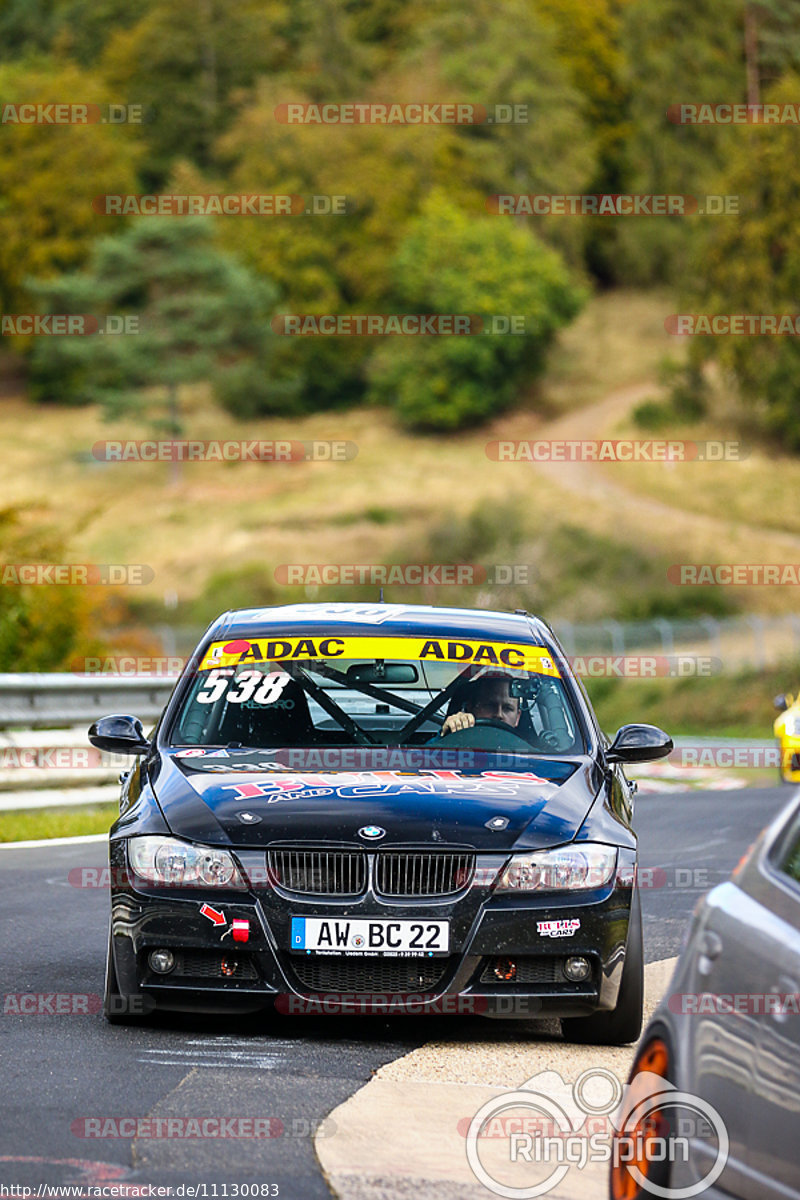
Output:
x=119 y=735
x=782 y=702
x=639 y=743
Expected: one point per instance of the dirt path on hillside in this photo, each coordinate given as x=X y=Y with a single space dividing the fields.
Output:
x=594 y=483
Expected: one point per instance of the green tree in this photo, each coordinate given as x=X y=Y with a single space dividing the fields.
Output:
x=771 y=42
x=338 y=264
x=188 y=62
x=751 y=264
x=202 y=316
x=504 y=54
x=26 y=27
x=452 y=263
x=49 y=175
x=78 y=29
x=675 y=53
x=43 y=628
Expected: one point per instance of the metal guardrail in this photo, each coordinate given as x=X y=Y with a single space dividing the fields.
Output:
x=38 y=701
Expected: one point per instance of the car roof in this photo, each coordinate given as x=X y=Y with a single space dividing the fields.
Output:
x=391 y=619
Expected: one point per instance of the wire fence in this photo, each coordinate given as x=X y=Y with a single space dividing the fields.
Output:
x=734 y=643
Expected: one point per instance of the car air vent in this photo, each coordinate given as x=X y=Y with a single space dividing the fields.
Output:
x=201 y=964
x=409 y=874
x=318 y=872
x=342 y=974
x=522 y=968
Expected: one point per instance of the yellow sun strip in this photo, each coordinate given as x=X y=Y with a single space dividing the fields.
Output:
x=518 y=655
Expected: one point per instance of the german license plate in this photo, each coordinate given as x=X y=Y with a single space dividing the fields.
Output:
x=339 y=935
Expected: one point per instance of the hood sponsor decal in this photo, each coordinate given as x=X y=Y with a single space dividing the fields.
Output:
x=366 y=784
x=197 y=752
x=558 y=929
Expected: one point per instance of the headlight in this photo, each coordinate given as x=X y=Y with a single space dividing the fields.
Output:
x=569 y=868
x=172 y=863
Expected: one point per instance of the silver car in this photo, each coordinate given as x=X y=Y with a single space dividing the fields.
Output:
x=725 y=1041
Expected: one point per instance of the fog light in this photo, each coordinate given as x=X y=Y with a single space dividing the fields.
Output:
x=161 y=961
x=577 y=969
x=505 y=968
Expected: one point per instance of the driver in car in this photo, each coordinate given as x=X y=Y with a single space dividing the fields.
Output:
x=487 y=699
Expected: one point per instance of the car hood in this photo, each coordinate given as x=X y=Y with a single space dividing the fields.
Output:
x=540 y=803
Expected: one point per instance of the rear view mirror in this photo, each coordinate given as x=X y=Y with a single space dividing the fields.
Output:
x=524 y=689
x=639 y=743
x=119 y=735
x=381 y=672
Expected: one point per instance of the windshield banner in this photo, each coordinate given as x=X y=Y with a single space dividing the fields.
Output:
x=515 y=655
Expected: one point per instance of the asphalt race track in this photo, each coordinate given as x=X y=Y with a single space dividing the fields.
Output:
x=58 y=1069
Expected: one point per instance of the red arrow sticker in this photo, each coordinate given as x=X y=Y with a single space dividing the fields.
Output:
x=216 y=918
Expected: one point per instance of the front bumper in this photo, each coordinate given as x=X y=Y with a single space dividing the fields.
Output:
x=490 y=933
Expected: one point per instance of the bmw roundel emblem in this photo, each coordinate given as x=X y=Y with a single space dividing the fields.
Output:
x=371 y=832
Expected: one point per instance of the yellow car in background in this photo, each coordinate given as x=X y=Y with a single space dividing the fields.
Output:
x=787 y=731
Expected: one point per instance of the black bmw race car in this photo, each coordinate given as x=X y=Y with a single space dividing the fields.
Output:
x=350 y=808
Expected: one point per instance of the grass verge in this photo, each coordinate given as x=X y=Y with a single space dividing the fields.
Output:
x=737 y=705
x=30 y=825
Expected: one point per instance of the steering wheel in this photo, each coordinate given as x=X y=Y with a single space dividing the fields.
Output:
x=467 y=737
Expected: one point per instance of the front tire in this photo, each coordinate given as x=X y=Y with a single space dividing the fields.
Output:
x=624 y=1023
x=117 y=1008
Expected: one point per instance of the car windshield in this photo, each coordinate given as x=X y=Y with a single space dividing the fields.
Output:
x=306 y=691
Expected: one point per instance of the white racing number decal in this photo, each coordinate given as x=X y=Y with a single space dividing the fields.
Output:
x=251 y=687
